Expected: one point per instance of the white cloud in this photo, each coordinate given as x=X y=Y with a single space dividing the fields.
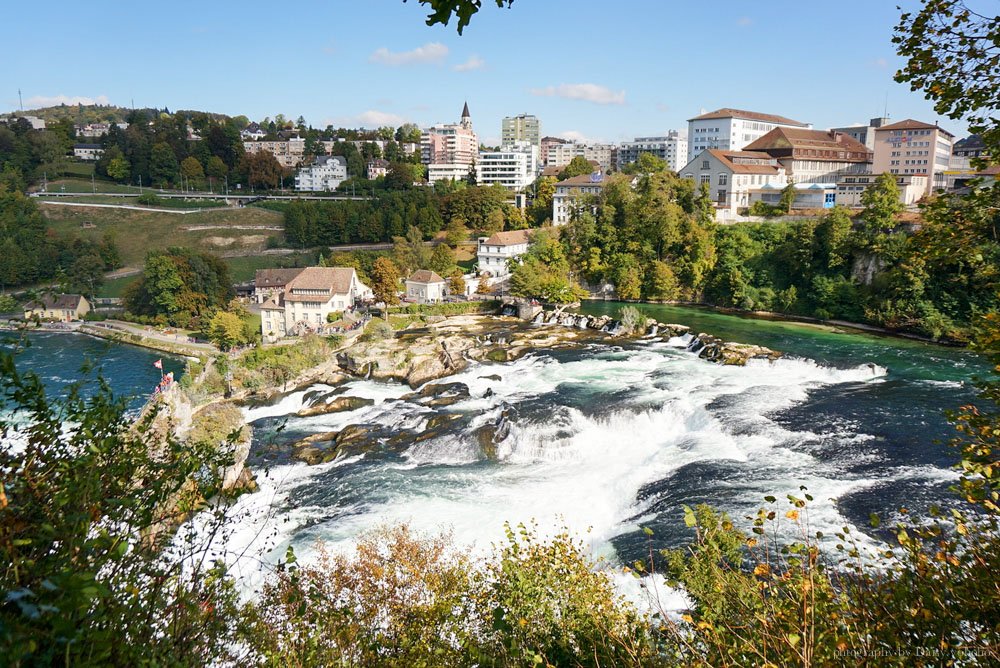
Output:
x=880 y=63
x=473 y=63
x=432 y=52
x=573 y=135
x=367 y=119
x=744 y=21
x=662 y=106
x=330 y=48
x=55 y=100
x=584 y=91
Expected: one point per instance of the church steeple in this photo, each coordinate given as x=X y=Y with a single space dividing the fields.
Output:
x=466 y=117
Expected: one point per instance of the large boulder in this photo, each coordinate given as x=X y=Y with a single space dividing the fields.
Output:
x=336 y=405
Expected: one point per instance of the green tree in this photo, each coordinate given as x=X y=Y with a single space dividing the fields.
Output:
x=578 y=166
x=661 y=283
x=262 y=169
x=87 y=578
x=385 y=282
x=86 y=274
x=953 y=56
x=442 y=260
x=192 y=171
x=787 y=198
x=227 y=330
x=456 y=284
x=457 y=232
x=881 y=205
x=119 y=169
x=494 y=222
x=162 y=164
x=833 y=237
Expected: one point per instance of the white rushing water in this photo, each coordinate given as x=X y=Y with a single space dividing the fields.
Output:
x=591 y=431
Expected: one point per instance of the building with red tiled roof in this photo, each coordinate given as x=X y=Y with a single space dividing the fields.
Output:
x=496 y=251
x=732 y=129
x=426 y=287
x=307 y=299
x=730 y=175
x=814 y=156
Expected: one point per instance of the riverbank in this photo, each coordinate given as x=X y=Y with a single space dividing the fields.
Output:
x=120 y=332
x=791 y=317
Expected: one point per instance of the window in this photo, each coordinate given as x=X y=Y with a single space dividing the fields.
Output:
x=705 y=178
x=722 y=197
x=704 y=164
x=723 y=179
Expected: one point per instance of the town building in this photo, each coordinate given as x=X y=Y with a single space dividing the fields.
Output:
x=377 y=168
x=64 y=308
x=253 y=132
x=970 y=147
x=288 y=152
x=807 y=195
x=731 y=175
x=671 y=148
x=571 y=194
x=521 y=128
x=95 y=130
x=814 y=156
x=732 y=129
x=450 y=150
x=88 y=152
x=269 y=282
x=426 y=287
x=515 y=166
x=864 y=134
x=325 y=174
x=914 y=147
x=306 y=301
x=546 y=145
x=850 y=188
x=496 y=252
x=560 y=155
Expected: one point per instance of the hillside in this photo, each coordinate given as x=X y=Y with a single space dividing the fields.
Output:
x=221 y=231
x=99 y=113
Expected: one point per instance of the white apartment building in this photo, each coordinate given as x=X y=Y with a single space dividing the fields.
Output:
x=672 y=148
x=864 y=134
x=495 y=252
x=732 y=129
x=560 y=155
x=288 y=152
x=521 y=128
x=571 y=194
x=89 y=152
x=324 y=175
x=731 y=175
x=514 y=166
x=306 y=301
x=850 y=188
x=914 y=147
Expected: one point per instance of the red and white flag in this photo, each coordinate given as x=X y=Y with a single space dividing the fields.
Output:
x=158 y=364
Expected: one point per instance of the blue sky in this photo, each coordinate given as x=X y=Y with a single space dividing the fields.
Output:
x=588 y=68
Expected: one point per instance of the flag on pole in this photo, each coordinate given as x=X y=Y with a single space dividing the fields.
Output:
x=158 y=364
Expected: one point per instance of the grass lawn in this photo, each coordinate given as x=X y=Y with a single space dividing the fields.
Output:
x=243 y=268
x=242 y=230
x=115 y=286
x=81 y=185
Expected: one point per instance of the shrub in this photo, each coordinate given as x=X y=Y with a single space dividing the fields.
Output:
x=377 y=330
x=150 y=199
x=632 y=320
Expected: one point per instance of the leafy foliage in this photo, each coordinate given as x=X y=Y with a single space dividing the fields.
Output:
x=85 y=516
x=953 y=57
x=180 y=287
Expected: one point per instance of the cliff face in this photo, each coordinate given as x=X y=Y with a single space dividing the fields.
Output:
x=218 y=424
